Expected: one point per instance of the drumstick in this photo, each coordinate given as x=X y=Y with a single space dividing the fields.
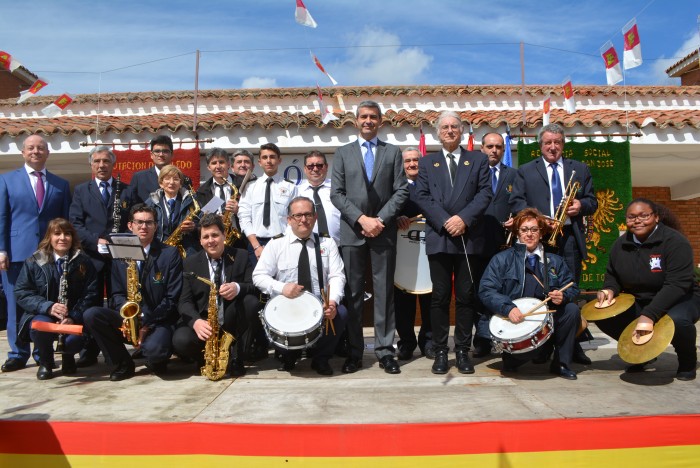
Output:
x=325 y=294
x=537 y=306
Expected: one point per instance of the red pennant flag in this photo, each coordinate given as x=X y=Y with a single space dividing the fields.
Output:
x=633 y=46
x=470 y=142
x=569 y=103
x=613 y=71
x=8 y=62
x=55 y=108
x=325 y=115
x=546 y=109
x=302 y=15
x=323 y=70
x=421 y=144
x=38 y=84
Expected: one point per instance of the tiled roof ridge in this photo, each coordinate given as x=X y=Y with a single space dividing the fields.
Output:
x=684 y=59
x=363 y=92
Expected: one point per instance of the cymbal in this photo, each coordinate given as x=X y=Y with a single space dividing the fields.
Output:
x=638 y=354
x=592 y=313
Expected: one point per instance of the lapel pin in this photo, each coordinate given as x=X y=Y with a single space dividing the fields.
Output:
x=466 y=163
x=436 y=164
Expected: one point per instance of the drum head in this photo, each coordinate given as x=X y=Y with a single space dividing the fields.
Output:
x=293 y=315
x=505 y=330
x=412 y=272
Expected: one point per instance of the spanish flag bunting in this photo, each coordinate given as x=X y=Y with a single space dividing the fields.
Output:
x=546 y=109
x=421 y=143
x=8 y=62
x=613 y=71
x=55 y=108
x=568 y=89
x=323 y=70
x=302 y=15
x=470 y=142
x=633 y=47
x=38 y=84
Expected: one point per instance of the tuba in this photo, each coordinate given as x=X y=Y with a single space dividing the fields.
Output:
x=131 y=310
x=175 y=239
x=572 y=187
x=216 y=350
x=232 y=234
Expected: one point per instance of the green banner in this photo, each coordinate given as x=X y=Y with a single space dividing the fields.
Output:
x=612 y=181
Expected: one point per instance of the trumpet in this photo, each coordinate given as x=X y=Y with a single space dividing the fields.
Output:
x=572 y=187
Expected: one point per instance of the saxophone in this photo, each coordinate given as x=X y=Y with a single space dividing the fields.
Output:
x=131 y=310
x=63 y=299
x=116 y=209
x=216 y=350
x=232 y=234
x=175 y=238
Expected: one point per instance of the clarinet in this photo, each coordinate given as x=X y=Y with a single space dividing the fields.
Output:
x=116 y=206
x=63 y=299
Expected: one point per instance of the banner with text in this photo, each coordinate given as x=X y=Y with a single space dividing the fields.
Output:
x=612 y=181
x=131 y=160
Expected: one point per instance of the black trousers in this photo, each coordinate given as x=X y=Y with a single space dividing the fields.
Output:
x=442 y=267
x=405 y=305
x=684 y=315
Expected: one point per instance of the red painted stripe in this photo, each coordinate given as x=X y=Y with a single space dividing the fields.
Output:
x=83 y=438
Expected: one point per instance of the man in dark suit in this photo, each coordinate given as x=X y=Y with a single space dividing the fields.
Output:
x=237 y=302
x=242 y=163
x=542 y=183
x=491 y=226
x=368 y=186
x=92 y=214
x=145 y=182
x=30 y=197
x=453 y=191
x=160 y=284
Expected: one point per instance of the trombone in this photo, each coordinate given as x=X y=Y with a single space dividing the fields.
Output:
x=572 y=187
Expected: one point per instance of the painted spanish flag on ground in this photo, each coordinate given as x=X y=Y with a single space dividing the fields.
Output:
x=648 y=441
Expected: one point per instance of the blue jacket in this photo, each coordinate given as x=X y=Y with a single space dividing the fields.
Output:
x=504 y=279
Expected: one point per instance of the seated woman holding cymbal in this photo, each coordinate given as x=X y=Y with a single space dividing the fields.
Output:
x=654 y=263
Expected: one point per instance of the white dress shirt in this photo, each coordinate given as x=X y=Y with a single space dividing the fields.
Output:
x=252 y=204
x=279 y=265
x=332 y=213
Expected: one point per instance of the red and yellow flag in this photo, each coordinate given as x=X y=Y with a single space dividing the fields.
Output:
x=568 y=89
x=55 y=108
x=633 y=46
x=33 y=89
x=613 y=71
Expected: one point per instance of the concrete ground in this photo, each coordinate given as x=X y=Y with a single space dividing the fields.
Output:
x=266 y=395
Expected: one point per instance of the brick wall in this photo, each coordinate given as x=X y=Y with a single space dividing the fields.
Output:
x=687 y=211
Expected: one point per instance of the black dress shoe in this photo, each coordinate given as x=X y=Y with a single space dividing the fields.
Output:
x=351 y=365
x=124 y=370
x=86 y=361
x=287 y=364
x=405 y=354
x=464 y=365
x=562 y=371
x=12 y=365
x=236 y=368
x=580 y=357
x=68 y=365
x=481 y=351
x=440 y=365
x=430 y=352
x=686 y=375
x=158 y=368
x=44 y=372
x=634 y=368
x=322 y=367
x=389 y=364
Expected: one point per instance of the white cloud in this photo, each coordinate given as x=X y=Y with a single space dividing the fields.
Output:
x=658 y=74
x=382 y=65
x=259 y=82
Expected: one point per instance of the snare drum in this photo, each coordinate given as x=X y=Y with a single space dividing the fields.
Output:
x=533 y=332
x=293 y=323
x=412 y=272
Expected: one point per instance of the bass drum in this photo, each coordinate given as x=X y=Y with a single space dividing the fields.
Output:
x=530 y=334
x=412 y=272
x=293 y=323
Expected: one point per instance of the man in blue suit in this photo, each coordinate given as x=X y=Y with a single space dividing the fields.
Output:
x=454 y=190
x=145 y=182
x=30 y=197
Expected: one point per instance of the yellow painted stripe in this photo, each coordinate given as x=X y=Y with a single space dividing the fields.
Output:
x=652 y=457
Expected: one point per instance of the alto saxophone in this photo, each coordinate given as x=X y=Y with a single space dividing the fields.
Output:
x=232 y=234
x=116 y=208
x=560 y=216
x=216 y=350
x=131 y=310
x=175 y=239
x=63 y=299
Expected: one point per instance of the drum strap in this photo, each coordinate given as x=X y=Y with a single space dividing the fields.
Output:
x=319 y=262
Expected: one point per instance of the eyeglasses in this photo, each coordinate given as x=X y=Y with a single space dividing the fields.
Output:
x=163 y=152
x=525 y=230
x=299 y=216
x=311 y=167
x=641 y=217
x=140 y=222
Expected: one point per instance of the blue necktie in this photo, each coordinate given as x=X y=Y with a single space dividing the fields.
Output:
x=556 y=188
x=105 y=192
x=494 y=179
x=532 y=261
x=369 y=159
x=59 y=266
x=171 y=205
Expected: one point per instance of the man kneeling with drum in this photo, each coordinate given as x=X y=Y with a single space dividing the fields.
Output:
x=293 y=270
x=517 y=287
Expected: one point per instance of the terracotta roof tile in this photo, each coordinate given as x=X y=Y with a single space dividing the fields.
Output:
x=244 y=120
x=687 y=60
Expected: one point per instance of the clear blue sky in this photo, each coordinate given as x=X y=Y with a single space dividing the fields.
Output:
x=256 y=43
